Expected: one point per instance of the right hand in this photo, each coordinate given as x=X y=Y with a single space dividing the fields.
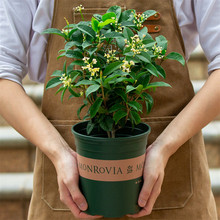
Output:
x=68 y=179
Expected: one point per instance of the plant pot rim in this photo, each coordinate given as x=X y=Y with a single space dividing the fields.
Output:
x=145 y=130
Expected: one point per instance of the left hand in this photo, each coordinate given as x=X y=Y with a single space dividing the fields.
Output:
x=153 y=176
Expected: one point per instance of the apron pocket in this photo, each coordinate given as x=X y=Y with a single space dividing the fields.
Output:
x=177 y=185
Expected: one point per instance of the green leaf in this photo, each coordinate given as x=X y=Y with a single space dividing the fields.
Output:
x=161 y=71
x=64 y=67
x=53 y=31
x=124 y=79
x=98 y=17
x=127 y=32
x=120 y=42
x=57 y=73
x=157 y=84
x=74 y=75
x=148 y=101
x=78 y=62
x=148 y=42
x=149 y=13
x=162 y=42
x=95 y=24
x=107 y=123
x=73 y=93
x=151 y=69
x=143 y=32
x=62 y=94
x=135 y=105
x=60 y=89
x=176 y=56
x=86 y=44
x=112 y=67
x=81 y=108
x=113 y=34
x=135 y=117
x=109 y=15
x=53 y=83
x=90 y=127
x=119 y=115
x=91 y=89
x=116 y=9
x=85 y=82
x=130 y=88
x=87 y=30
x=74 y=54
x=128 y=24
x=95 y=107
x=112 y=76
x=103 y=24
x=139 y=88
x=116 y=107
x=71 y=44
x=121 y=93
x=144 y=56
x=143 y=79
x=126 y=15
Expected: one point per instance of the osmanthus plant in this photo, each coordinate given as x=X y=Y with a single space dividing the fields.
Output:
x=114 y=60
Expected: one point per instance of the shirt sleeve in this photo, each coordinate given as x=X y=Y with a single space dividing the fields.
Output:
x=208 y=25
x=15 y=29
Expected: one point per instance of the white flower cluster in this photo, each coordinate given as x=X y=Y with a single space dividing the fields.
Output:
x=66 y=80
x=118 y=27
x=79 y=8
x=111 y=56
x=139 y=19
x=136 y=45
x=93 y=71
x=126 y=66
x=158 y=51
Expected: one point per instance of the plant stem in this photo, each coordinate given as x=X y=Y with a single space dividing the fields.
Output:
x=81 y=15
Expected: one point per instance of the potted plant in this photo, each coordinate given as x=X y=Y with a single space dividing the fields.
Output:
x=113 y=63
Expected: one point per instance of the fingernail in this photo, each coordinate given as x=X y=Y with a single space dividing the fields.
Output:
x=82 y=206
x=142 y=202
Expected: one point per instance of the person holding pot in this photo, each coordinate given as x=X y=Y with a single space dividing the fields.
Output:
x=175 y=164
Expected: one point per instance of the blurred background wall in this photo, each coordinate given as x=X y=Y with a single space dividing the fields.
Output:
x=17 y=154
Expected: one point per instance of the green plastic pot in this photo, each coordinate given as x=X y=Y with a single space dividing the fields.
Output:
x=111 y=168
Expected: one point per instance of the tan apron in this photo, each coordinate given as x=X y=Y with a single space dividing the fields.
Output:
x=186 y=191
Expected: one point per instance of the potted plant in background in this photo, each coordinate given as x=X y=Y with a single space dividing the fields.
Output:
x=114 y=60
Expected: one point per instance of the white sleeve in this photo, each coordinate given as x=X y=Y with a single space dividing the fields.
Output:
x=208 y=24
x=16 y=18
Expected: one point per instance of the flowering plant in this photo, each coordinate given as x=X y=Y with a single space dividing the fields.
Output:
x=114 y=62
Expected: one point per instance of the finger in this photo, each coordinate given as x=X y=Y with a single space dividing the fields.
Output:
x=76 y=194
x=151 y=201
x=139 y=214
x=154 y=194
x=147 y=187
x=66 y=198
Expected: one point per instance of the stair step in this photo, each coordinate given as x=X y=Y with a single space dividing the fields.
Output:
x=20 y=185
x=12 y=139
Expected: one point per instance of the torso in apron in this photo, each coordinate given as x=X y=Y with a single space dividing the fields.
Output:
x=186 y=191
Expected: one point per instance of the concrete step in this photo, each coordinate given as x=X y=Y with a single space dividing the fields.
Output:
x=17 y=154
x=20 y=185
x=9 y=138
x=16 y=189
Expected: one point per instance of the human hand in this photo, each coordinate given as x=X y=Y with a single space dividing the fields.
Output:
x=68 y=178
x=153 y=176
